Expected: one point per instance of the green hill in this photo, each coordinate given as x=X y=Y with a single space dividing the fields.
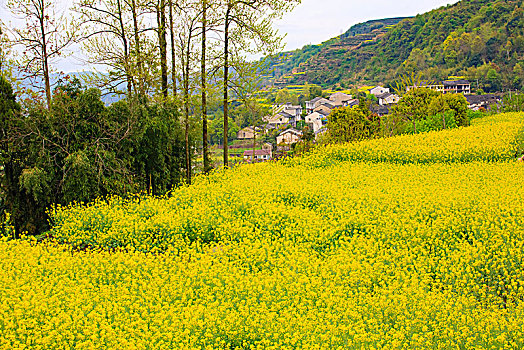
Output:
x=478 y=39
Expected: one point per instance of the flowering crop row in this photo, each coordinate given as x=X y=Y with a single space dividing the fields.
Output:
x=490 y=139
x=384 y=255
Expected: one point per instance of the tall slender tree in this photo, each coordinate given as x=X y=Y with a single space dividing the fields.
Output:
x=115 y=34
x=247 y=28
x=187 y=33
x=45 y=36
x=205 y=146
x=173 y=48
x=162 y=44
x=246 y=85
x=137 y=52
x=106 y=38
x=227 y=24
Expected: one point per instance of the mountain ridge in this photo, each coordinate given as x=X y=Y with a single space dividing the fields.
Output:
x=478 y=39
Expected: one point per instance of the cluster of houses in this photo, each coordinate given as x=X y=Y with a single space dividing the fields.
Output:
x=288 y=117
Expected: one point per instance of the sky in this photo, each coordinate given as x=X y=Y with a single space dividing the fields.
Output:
x=311 y=22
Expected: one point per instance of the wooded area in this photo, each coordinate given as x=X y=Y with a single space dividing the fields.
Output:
x=164 y=61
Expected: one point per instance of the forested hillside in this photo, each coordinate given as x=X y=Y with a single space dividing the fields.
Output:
x=479 y=39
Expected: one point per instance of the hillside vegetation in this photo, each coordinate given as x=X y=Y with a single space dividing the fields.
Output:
x=293 y=65
x=479 y=39
x=409 y=242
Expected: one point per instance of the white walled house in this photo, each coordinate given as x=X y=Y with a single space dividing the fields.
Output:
x=281 y=118
x=325 y=108
x=387 y=99
x=316 y=120
x=293 y=110
x=289 y=137
x=449 y=86
x=314 y=103
x=379 y=90
x=246 y=133
x=260 y=154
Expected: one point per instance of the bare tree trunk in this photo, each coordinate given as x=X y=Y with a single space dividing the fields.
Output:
x=138 y=51
x=205 y=149
x=161 y=18
x=45 y=67
x=186 y=109
x=129 y=77
x=254 y=139
x=47 y=79
x=173 y=55
x=226 y=84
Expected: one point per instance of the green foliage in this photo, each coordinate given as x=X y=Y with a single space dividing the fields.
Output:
x=413 y=106
x=454 y=103
x=428 y=110
x=216 y=129
x=352 y=124
x=313 y=91
x=513 y=103
x=475 y=114
x=434 y=122
x=80 y=149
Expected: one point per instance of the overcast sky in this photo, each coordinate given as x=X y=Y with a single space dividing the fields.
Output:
x=313 y=21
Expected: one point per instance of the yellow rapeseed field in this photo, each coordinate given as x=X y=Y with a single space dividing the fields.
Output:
x=413 y=242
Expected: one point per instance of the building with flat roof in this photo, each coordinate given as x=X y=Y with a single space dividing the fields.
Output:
x=449 y=86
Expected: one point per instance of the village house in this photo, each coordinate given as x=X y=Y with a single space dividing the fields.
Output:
x=378 y=90
x=289 y=137
x=325 y=108
x=314 y=103
x=476 y=102
x=340 y=99
x=267 y=146
x=293 y=110
x=457 y=87
x=260 y=155
x=449 y=86
x=353 y=103
x=246 y=133
x=387 y=99
x=280 y=119
x=286 y=114
x=316 y=120
x=380 y=110
x=435 y=87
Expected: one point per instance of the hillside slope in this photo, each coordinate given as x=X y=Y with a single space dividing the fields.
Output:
x=479 y=39
x=297 y=62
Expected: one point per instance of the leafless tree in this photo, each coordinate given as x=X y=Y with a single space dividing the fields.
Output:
x=44 y=37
